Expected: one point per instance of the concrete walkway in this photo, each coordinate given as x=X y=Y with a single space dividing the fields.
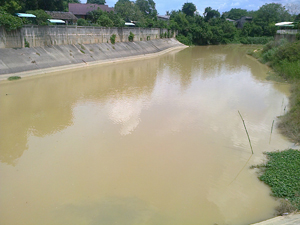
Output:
x=293 y=219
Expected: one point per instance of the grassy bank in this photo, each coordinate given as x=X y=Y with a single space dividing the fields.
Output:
x=282 y=170
x=284 y=58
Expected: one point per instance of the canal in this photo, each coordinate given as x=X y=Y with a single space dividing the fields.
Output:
x=146 y=142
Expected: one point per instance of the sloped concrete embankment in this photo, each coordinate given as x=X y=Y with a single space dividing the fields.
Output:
x=28 y=59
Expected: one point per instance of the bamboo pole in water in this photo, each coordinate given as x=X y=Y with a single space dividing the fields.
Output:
x=271 y=132
x=246 y=132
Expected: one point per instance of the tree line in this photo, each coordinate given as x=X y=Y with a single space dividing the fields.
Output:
x=211 y=27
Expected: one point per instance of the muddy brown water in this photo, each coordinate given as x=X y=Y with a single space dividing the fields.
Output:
x=155 y=141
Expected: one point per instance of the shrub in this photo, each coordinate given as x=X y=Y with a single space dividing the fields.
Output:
x=185 y=40
x=82 y=22
x=26 y=43
x=9 y=21
x=131 y=37
x=256 y=40
x=41 y=16
x=113 y=39
x=14 y=78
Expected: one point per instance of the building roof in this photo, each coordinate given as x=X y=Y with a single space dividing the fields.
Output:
x=230 y=20
x=129 y=24
x=285 y=24
x=83 y=9
x=164 y=17
x=56 y=21
x=25 y=15
x=61 y=15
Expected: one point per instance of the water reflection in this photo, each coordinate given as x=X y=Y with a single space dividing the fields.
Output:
x=43 y=106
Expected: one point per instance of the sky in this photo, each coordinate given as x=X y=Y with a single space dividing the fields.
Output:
x=222 y=5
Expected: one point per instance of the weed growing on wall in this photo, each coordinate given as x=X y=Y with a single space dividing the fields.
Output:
x=113 y=39
x=14 y=78
x=131 y=37
x=26 y=43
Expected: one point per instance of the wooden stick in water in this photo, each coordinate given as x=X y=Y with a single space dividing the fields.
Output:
x=246 y=132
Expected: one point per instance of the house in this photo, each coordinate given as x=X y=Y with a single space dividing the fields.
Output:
x=81 y=10
x=164 y=18
x=68 y=17
x=240 y=23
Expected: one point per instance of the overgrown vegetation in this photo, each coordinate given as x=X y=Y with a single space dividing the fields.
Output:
x=282 y=170
x=284 y=58
x=113 y=39
x=281 y=173
x=14 y=78
x=131 y=37
x=9 y=21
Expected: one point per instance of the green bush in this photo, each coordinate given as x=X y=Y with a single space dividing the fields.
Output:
x=9 y=21
x=82 y=22
x=131 y=37
x=256 y=40
x=289 y=70
x=290 y=122
x=14 y=78
x=113 y=39
x=187 y=40
x=26 y=43
x=41 y=16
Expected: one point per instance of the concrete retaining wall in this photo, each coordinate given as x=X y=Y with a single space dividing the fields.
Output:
x=14 y=60
x=289 y=37
x=38 y=36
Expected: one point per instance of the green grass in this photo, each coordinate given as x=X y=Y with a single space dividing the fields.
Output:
x=282 y=170
x=284 y=58
x=290 y=122
x=256 y=40
x=14 y=78
x=282 y=174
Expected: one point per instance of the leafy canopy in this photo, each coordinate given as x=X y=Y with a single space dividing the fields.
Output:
x=189 y=9
x=99 y=2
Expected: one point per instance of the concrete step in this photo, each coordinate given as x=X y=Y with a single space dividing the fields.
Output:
x=293 y=219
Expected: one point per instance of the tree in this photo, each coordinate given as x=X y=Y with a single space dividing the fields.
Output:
x=116 y=19
x=30 y=5
x=235 y=13
x=9 y=21
x=128 y=11
x=41 y=16
x=66 y=4
x=94 y=15
x=99 y=2
x=51 y=5
x=10 y=6
x=147 y=7
x=270 y=14
x=210 y=13
x=189 y=9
